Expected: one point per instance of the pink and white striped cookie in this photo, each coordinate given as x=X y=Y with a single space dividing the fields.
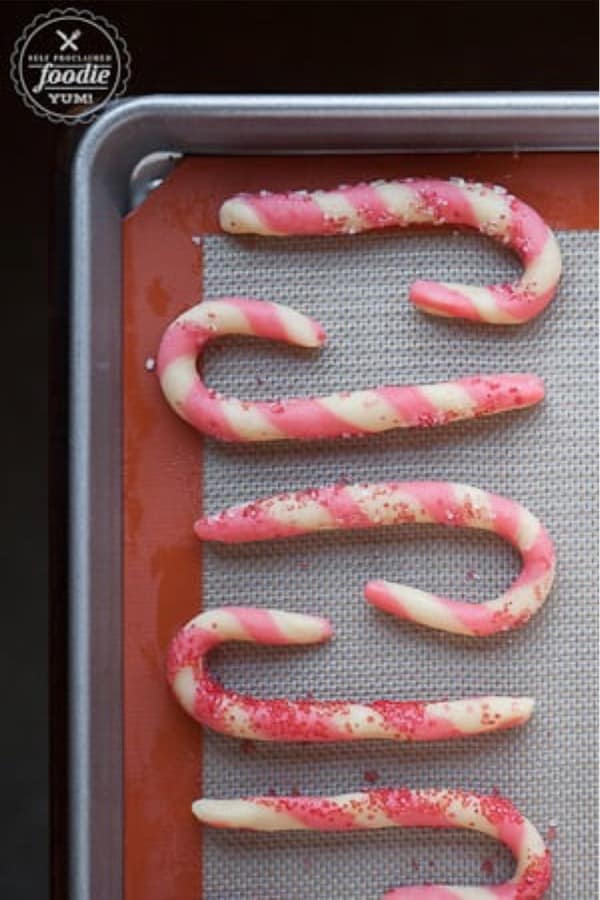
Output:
x=491 y=815
x=342 y=414
x=489 y=209
x=243 y=716
x=343 y=506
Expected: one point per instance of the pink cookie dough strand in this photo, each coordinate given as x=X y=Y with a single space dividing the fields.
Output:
x=490 y=209
x=342 y=414
x=304 y=720
x=491 y=815
x=352 y=506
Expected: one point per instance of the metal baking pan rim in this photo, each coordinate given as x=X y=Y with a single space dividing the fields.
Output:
x=105 y=158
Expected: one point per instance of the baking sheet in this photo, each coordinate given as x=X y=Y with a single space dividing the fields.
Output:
x=545 y=457
x=164 y=849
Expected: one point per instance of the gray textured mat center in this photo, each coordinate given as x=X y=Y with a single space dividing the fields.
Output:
x=545 y=457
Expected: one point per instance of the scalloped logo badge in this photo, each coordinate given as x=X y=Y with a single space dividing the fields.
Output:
x=69 y=63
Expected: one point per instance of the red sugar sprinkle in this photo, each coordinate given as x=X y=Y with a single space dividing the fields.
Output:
x=535 y=879
x=487 y=866
x=500 y=811
x=371 y=776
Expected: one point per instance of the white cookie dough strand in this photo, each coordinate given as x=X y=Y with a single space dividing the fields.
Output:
x=489 y=209
x=354 y=506
x=341 y=414
x=491 y=815
x=242 y=716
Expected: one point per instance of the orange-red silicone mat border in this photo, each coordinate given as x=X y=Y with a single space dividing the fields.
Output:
x=162 y=479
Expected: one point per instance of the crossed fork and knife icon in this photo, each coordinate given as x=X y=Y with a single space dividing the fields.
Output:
x=68 y=42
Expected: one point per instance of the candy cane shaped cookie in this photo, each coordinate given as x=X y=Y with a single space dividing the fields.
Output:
x=342 y=414
x=421 y=201
x=312 y=720
x=491 y=815
x=344 y=506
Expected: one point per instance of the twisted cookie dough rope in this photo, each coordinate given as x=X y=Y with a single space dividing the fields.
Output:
x=396 y=503
x=313 y=720
x=363 y=207
x=403 y=808
x=342 y=414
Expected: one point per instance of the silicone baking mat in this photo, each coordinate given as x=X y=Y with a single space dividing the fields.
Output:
x=544 y=457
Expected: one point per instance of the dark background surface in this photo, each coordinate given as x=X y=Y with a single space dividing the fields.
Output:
x=190 y=47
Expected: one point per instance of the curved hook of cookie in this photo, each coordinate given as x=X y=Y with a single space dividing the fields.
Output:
x=342 y=414
x=417 y=201
x=395 y=503
x=491 y=815
x=313 y=720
